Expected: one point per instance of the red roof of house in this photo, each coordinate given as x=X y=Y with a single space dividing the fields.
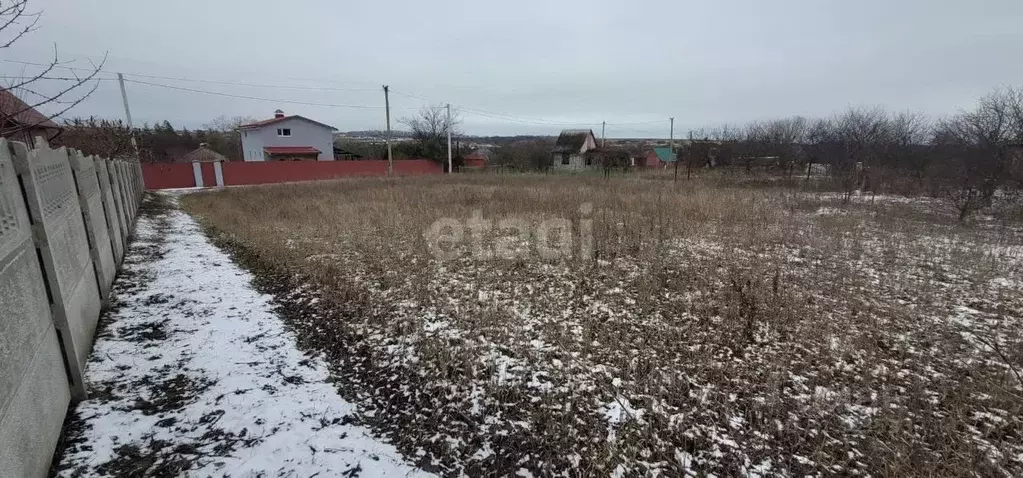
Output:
x=260 y=124
x=291 y=150
x=14 y=109
x=475 y=156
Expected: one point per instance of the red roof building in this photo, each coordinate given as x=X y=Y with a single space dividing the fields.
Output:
x=287 y=138
x=21 y=122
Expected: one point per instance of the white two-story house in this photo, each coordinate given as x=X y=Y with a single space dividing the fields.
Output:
x=287 y=138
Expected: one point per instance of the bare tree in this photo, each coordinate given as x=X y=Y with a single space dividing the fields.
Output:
x=44 y=87
x=224 y=124
x=429 y=131
x=977 y=148
x=859 y=135
x=905 y=149
x=783 y=138
x=525 y=155
x=106 y=138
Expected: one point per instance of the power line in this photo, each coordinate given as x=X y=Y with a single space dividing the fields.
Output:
x=501 y=116
x=59 y=78
x=246 y=97
x=637 y=123
x=467 y=109
x=200 y=80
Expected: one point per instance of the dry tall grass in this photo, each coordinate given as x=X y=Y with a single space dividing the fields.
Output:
x=715 y=327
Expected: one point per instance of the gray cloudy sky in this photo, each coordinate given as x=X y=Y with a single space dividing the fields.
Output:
x=540 y=62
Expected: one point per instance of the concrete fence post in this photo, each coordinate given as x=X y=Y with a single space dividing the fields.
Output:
x=197 y=172
x=90 y=198
x=34 y=392
x=60 y=237
x=110 y=209
x=218 y=171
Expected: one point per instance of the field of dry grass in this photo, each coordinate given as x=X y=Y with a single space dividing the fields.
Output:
x=707 y=327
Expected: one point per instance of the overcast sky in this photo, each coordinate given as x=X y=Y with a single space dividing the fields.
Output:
x=518 y=67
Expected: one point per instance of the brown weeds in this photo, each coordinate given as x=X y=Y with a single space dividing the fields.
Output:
x=713 y=327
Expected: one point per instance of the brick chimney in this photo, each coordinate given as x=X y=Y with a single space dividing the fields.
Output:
x=278 y=114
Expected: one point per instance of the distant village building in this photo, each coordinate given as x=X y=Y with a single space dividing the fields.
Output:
x=21 y=122
x=287 y=138
x=203 y=154
x=477 y=159
x=659 y=158
x=569 y=152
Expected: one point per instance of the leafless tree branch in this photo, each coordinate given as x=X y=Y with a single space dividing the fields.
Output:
x=40 y=86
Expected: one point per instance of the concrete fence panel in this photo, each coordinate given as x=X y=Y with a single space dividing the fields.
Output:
x=129 y=190
x=110 y=210
x=34 y=391
x=62 y=243
x=141 y=183
x=122 y=190
x=133 y=171
x=140 y=188
x=119 y=206
x=129 y=199
x=90 y=198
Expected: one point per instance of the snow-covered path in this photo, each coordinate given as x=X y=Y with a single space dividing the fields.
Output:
x=194 y=375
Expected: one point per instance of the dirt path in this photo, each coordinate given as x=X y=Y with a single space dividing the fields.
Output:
x=193 y=374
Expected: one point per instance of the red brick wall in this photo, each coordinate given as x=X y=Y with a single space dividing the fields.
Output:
x=238 y=173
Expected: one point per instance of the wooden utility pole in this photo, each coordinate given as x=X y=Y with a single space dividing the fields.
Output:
x=603 y=126
x=451 y=170
x=127 y=116
x=387 y=113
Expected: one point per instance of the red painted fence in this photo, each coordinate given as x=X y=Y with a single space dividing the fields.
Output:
x=238 y=173
x=165 y=176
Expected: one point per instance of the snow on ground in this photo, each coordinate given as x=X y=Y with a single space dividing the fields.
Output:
x=195 y=375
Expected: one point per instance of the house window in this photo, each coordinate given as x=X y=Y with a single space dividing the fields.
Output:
x=564 y=158
x=283 y=131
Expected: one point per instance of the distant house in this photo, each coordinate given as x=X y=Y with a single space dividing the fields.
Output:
x=21 y=122
x=287 y=138
x=659 y=158
x=569 y=152
x=203 y=154
x=476 y=159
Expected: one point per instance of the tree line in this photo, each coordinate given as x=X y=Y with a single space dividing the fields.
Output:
x=970 y=157
x=158 y=143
